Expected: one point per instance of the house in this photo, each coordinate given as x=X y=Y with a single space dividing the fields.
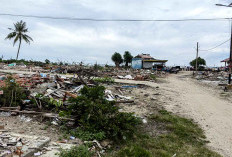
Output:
x=226 y=61
x=145 y=61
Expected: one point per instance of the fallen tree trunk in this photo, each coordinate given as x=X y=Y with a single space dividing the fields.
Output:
x=48 y=115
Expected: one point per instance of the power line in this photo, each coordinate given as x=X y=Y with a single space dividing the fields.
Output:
x=116 y=20
x=216 y=46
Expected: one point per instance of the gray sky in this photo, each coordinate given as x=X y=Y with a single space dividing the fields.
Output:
x=75 y=41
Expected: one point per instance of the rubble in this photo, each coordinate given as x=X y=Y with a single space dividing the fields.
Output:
x=12 y=144
x=58 y=89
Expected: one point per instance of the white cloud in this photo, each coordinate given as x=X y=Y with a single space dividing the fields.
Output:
x=96 y=41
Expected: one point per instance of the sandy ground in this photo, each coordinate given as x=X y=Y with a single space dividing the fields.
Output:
x=186 y=97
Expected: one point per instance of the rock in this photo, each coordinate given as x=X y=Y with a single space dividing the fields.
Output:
x=146 y=95
x=153 y=99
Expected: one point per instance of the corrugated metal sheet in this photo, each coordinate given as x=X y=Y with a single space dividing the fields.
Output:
x=147 y=65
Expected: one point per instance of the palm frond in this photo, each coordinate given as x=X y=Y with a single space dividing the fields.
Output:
x=28 y=37
x=19 y=33
x=11 y=29
x=16 y=39
x=11 y=35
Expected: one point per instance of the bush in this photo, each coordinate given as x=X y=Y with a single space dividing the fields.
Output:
x=47 y=103
x=93 y=113
x=13 y=94
x=81 y=151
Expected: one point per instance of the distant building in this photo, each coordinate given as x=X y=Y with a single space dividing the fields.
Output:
x=145 y=61
x=226 y=61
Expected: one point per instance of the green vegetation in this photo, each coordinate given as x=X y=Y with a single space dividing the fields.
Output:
x=153 y=77
x=200 y=61
x=104 y=80
x=47 y=103
x=13 y=94
x=19 y=34
x=87 y=136
x=134 y=151
x=47 y=61
x=81 y=151
x=177 y=135
x=117 y=59
x=94 y=114
x=127 y=58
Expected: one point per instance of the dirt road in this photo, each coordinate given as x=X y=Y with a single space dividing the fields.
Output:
x=185 y=97
x=211 y=112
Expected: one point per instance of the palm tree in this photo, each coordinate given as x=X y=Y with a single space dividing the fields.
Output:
x=19 y=34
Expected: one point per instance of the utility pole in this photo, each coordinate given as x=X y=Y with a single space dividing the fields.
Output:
x=197 y=57
x=230 y=59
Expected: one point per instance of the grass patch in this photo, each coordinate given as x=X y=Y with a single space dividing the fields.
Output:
x=153 y=77
x=104 y=80
x=183 y=138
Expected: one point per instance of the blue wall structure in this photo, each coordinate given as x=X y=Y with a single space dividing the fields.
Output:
x=137 y=63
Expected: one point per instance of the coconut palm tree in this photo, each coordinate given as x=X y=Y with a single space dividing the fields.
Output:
x=19 y=34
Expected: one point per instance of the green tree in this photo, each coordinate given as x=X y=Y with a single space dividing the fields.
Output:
x=117 y=59
x=19 y=34
x=47 y=61
x=127 y=57
x=200 y=61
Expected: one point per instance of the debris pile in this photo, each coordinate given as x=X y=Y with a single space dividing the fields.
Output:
x=21 y=145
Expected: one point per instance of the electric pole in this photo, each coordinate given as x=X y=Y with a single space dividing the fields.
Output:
x=197 y=57
x=230 y=59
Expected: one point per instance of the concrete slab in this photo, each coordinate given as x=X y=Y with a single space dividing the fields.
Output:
x=31 y=144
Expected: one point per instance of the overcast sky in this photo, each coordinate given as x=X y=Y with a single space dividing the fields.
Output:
x=90 y=42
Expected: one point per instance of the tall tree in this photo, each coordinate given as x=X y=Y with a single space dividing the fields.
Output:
x=117 y=59
x=127 y=57
x=200 y=61
x=19 y=33
x=47 y=61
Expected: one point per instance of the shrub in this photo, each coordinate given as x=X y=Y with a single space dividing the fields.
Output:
x=81 y=151
x=47 y=102
x=13 y=94
x=93 y=113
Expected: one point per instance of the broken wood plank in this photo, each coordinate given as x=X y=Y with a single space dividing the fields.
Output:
x=48 y=115
x=124 y=101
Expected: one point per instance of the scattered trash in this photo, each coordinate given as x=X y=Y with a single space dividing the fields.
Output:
x=24 y=118
x=72 y=137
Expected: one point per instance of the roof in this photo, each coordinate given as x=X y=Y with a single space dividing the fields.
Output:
x=148 y=58
x=156 y=60
x=144 y=56
x=226 y=60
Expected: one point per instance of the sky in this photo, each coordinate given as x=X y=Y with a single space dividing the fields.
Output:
x=91 y=42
